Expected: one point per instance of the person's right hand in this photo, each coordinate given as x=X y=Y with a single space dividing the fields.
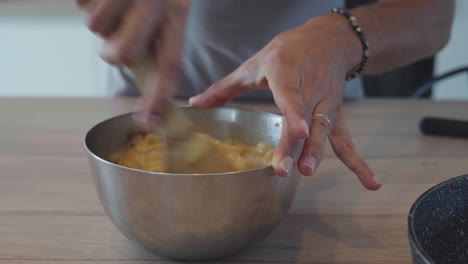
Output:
x=135 y=29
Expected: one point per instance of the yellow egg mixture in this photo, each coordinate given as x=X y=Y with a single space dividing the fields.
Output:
x=146 y=151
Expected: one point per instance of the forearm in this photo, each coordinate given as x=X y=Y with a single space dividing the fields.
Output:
x=400 y=32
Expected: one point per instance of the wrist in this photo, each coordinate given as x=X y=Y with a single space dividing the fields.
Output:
x=346 y=42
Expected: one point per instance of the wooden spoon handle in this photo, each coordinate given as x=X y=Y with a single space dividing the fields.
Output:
x=188 y=151
x=175 y=124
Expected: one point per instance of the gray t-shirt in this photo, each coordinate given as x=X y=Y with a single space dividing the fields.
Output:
x=222 y=34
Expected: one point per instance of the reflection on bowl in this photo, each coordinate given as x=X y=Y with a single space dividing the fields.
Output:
x=438 y=223
x=193 y=216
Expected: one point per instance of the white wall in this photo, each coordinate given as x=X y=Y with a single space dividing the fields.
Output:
x=48 y=57
x=454 y=55
x=45 y=50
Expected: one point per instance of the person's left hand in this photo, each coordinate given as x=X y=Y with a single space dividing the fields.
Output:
x=305 y=69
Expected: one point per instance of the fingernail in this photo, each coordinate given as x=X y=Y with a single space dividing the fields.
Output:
x=108 y=50
x=286 y=164
x=305 y=126
x=311 y=162
x=377 y=179
x=192 y=100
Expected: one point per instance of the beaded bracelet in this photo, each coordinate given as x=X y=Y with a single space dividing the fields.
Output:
x=365 y=44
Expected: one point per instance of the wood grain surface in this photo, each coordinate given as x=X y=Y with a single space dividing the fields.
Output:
x=50 y=213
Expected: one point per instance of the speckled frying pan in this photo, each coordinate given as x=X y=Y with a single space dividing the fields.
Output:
x=438 y=223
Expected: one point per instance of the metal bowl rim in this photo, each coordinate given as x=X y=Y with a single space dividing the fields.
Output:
x=237 y=108
x=413 y=238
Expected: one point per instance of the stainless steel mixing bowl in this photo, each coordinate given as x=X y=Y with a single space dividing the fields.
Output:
x=193 y=216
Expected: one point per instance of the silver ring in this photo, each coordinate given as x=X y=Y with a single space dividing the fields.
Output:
x=324 y=116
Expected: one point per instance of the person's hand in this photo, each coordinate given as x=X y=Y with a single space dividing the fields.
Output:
x=305 y=69
x=138 y=30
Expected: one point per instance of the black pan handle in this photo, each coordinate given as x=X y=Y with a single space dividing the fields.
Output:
x=444 y=127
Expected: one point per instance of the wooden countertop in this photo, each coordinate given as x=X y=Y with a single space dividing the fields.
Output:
x=50 y=213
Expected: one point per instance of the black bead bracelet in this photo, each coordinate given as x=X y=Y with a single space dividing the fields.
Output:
x=365 y=44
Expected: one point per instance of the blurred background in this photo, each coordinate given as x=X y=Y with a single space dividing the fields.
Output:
x=45 y=50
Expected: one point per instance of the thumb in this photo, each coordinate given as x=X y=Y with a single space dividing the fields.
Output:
x=226 y=89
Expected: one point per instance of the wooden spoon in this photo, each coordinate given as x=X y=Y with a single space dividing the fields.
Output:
x=188 y=150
